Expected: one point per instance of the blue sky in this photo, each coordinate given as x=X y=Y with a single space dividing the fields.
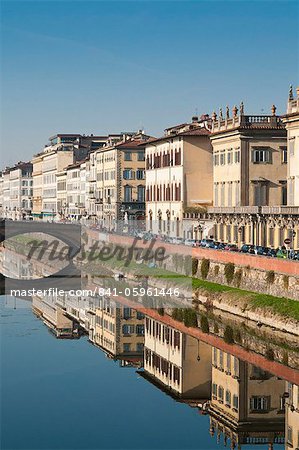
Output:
x=99 y=67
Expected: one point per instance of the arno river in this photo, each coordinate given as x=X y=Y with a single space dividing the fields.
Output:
x=132 y=383
x=105 y=372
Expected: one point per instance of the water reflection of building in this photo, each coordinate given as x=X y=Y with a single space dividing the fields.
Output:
x=247 y=405
x=119 y=332
x=53 y=316
x=292 y=417
x=177 y=362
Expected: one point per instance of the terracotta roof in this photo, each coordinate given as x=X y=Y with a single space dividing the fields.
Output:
x=194 y=132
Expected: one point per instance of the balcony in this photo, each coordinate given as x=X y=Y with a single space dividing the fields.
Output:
x=233 y=209
x=283 y=210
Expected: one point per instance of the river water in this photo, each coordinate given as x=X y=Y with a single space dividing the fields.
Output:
x=69 y=391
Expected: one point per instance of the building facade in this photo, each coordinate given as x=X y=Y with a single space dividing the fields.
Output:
x=178 y=175
x=247 y=403
x=291 y=121
x=17 y=191
x=119 y=189
x=180 y=363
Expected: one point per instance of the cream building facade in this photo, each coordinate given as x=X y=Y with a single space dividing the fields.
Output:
x=291 y=121
x=119 y=330
x=250 y=167
x=247 y=403
x=178 y=175
x=17 y=191
x=292 y=416
x=119 y=188
x=180 y=363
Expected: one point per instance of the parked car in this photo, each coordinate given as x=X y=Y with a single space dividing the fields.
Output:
x=260 y=250
x=220 y=245
x=208 y=243
x=231 y=248
x=281 y=253
x=271 y=252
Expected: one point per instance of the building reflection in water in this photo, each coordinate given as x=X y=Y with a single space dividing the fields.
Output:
x=292 y=416
x=247 y=406
x=179 y=363
x=247 y=403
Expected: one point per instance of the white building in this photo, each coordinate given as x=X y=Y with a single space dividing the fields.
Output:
x=17 y=191
x=292 y=125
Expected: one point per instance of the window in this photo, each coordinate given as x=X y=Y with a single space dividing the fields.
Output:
x=284 y=155
x=128 y=156
x=260 y=194
x=222 y=201
x=222 y=159
x=140 y=315
x=216 y=194
x=216 y=159
x=237 y=156
x=140 y=173
x=284 y=196
x=261 y=155
x=259 y=403
x=140 y=156
x=292 y=146
x=127 y=194
x=128 y=174
x=229 y=157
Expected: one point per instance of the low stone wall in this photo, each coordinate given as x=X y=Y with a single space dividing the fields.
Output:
x=251 y=279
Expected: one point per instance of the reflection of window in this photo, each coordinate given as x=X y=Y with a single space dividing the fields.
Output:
x=140 y=329
x=140 y=173
x=128 y=193
x=139 y=347
x=228 y=362
x=128 y=329
x=127 y=313
x=128 y=174
x=236 y=402
x=221 y=393
x=228 y=398
x=259 y=403
x=215 y=356
x=290 y=436
x=127 y=347
x=140 y=193
x=214 y=390
x=221 y=359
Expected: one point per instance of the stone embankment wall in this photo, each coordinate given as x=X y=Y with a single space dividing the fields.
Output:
x=249 y=278
x=260 y=274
